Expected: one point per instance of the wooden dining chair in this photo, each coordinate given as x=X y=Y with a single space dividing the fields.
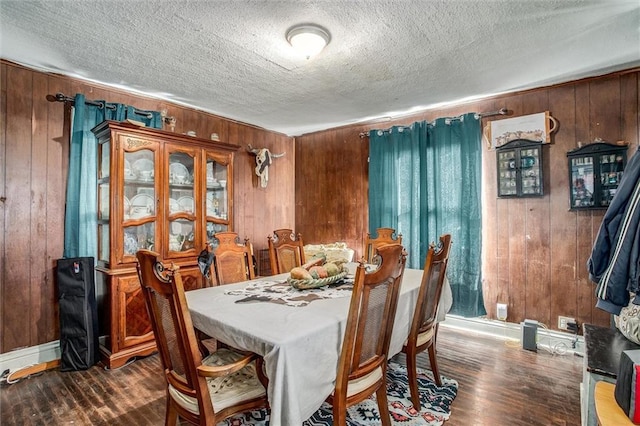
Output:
x=199 y=391
x=424 y=328
x=362 y=366
x=233 y=262
x=383 y=236
x=286 y=251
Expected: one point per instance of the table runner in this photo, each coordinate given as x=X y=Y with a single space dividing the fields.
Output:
x=280 y=292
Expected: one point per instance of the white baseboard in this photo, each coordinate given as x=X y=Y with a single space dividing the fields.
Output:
x=24 y=357
x=547 y=339
x=557 y=341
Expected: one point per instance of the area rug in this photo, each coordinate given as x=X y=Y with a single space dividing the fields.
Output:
x=435 y=404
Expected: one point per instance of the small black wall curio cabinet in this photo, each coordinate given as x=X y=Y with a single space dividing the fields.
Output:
x=520 y=169
x=595 y=171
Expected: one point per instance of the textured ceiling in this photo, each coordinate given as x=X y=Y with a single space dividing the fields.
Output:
x=386 y=58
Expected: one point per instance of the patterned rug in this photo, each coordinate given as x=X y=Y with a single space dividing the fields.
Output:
x=435 y=401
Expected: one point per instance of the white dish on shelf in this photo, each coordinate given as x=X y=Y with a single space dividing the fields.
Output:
x=130 y=243
x=174 y=207
x=142 y=205
x=186 y=204
x=127 y=206
x=143 y=165
x=178 y=173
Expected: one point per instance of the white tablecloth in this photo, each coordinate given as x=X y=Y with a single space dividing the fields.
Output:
x=300 y=345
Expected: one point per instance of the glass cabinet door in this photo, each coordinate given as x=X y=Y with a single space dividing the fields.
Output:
x=611 y=166
x=104 y=201
x=582 y=181
x=181 y=203
x=507 y=173
x=139 y=211
x=217 y=198
x=531 y=171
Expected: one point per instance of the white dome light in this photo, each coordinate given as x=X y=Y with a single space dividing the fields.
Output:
x=308 y=39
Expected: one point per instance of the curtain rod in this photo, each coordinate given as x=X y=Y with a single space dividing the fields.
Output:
x=477 y=115
x=60 y=97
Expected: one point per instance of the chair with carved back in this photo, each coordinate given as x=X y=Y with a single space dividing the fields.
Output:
x=199 y=391
x=424 y=328
x=233 y=262
x=384 y=236
x=362 y=364
x=286 y=250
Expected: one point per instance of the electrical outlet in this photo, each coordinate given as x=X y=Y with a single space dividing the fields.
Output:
x=563 y=321
x=501 y=311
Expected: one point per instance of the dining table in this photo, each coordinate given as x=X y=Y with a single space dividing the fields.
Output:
x=299 y=341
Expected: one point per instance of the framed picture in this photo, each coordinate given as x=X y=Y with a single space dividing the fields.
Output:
x=534 y=127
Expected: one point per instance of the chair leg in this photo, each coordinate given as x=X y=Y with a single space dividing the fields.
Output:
x=171 y=418
x=383 y=404
x=412 y=370
x=434 y=364
x=339 y=414
x=260 y=371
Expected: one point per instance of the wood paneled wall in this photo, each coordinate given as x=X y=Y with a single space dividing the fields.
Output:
x=534 y=250
x=34 y=149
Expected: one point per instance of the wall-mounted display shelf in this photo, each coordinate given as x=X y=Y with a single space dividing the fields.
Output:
x=595 y=171
x=520 y=169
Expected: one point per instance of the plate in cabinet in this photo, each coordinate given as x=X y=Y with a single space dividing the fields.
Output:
x=174 y=207
x=186 y=204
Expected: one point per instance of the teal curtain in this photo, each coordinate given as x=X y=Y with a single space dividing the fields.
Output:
x=80 y=232
x=424 y=181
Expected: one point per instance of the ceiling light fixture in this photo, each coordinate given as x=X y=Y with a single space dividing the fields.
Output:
x=308 y=39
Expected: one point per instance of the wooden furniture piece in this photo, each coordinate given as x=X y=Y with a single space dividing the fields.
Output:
x=595 y=171
x=520 y=172
x=286 y=250
x=424 y=328
x=293 y=339
x=603 y=347
x=156 y=190
x=362 y=368
x=233 y=262
x=384 y=236
x=200 y=391
x=608 y=412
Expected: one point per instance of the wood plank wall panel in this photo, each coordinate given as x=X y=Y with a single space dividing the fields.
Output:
x=17 y=301
x=3 y=192
x=332 y=187
x=584 y=236
x=563 y=262
x=537 y=238
x=490 y=289
x=58 y=131
x=534 y=250
x=34 y=150
x=42 y=290
x=516 y=227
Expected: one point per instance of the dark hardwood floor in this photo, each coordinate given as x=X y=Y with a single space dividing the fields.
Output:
x=498 y=385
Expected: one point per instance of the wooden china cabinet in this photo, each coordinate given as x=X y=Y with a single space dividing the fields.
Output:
x=160 y=191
